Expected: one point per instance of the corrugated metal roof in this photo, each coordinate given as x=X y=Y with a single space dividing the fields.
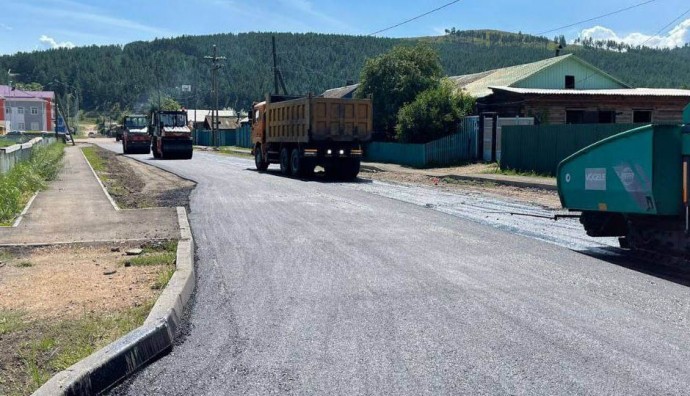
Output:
x=340 y=92
x=478 y=84
x=7 y=92
x=604 y=92
x=199 y=115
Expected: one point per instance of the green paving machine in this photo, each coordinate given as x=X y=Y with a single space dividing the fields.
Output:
x=634 y=185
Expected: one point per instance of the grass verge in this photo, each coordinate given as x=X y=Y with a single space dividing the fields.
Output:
x=34 y=350
x=24 y=179
x=495 y=168
x=235 y=151
x=155 y=254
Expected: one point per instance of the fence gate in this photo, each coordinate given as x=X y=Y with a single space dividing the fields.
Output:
x=489 y=154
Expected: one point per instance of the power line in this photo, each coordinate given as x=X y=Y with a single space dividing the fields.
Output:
x=597 y=17
x=414 y=18
x=665 y=27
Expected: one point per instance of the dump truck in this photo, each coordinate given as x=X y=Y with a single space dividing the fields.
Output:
x=135 y=136
x=300 y=133
x=171 y=137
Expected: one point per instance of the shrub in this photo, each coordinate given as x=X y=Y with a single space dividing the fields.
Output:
x=27 y=177
x=435 y=113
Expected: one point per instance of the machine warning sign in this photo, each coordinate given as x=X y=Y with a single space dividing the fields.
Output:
x=595 y=179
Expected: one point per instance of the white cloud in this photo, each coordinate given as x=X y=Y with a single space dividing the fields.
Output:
x=54 y=44
x=677 y=37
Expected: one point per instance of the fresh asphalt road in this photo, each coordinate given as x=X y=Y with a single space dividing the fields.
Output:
x=328 y=288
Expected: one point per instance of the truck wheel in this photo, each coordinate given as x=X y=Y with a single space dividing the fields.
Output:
x=296 y=168
x=351 y=169
x=259 y=162
x=284 y=161
x=154 y=148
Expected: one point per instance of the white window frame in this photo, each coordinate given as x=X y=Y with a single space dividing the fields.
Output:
x=8 y=110
x=35 y=126
x=21 y=126
x=20 y=110
x=34 y=110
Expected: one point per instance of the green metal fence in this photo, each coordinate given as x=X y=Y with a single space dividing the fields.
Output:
x=244 y=137
x=540 y=148
x=452 y=149
x=240 y=137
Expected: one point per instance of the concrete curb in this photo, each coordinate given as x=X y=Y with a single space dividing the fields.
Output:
x=19 y=218
x=109 y=366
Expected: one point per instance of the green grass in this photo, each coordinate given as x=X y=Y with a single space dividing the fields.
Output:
x=230 y=150
x=24 y=264
x=163 y=253
x=24 y=179
x=47 y=346
x=158 y=258
x=97 y=163
x=5 y=256
x=163 y=278
x=10 y=322
x=496 y=169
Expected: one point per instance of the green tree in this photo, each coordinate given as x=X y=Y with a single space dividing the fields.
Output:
x=395 y=78
x=435 y=113
x=33 y=86
x=166 y=104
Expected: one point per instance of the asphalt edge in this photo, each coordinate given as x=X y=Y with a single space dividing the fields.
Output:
x=110 y=365
x=504 y=182
x=100 y=183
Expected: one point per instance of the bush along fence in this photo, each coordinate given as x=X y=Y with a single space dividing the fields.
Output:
x=12 y=155
x=541 y=148
x=240 y=137
x=456 y=148
x=28 y=176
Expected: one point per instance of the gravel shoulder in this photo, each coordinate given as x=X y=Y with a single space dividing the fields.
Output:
x=542 y=197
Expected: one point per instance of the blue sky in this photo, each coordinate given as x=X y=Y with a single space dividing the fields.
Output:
x=28 y=25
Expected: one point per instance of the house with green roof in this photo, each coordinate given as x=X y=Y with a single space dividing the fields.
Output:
x=568 y=90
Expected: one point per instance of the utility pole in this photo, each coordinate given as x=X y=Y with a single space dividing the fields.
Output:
x=215 y=66
x=277 y=75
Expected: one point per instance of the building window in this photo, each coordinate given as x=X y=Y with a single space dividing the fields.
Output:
x=569 y=82
x=642 y=116
x=575 y=117
x=34 y=110
x=607 y=117
x=20 y=110
x=8 y=110
x=34 y=126
x=21 y=126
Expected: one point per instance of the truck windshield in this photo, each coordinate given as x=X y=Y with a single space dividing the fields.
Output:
x=174 y=120
x=135 y=122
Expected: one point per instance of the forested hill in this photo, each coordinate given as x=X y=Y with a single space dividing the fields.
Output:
x=131 y=74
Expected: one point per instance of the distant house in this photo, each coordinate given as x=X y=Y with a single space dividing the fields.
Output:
x=568 y=90
x=230 y=123
x=197 y=117
x=26 y=110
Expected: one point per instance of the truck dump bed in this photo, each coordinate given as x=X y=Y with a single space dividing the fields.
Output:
x=314 y=119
